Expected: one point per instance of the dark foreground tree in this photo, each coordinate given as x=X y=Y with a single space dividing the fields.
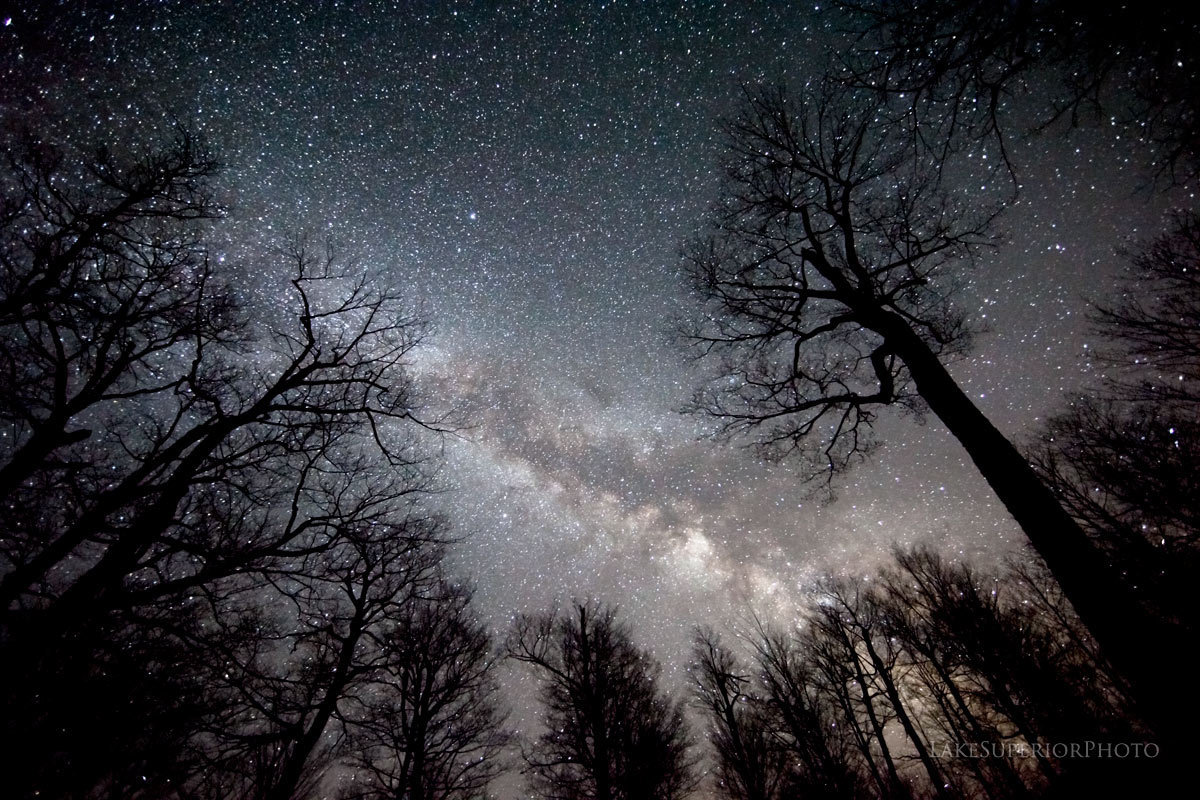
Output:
x=998 y=658
x=207 y=521
x=611 y=733
x=750 y=759
x=960 y=66
x=826 y=286
x=336 y=376
x=431 y=725
x=106 y=296
x=805 y=699
x=313 y=663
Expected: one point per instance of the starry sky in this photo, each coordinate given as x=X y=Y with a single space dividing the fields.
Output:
x=528 y=173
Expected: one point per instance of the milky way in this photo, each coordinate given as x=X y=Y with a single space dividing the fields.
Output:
x=528 y=174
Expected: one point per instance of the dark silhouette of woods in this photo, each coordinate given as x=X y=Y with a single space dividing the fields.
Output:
x=215 y=550
x=611 y=733
x=930 y=680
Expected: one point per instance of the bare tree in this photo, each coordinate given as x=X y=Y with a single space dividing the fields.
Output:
x=1124 y=461
x=169 y=468
x=917 y=601
x=98 y=280
x=1153 y=331
x=928 y=679
x=340 y=374
x=751 y=761
x=826 y=285
x=993 y=666
x=103 y=283
x=431 y=725
x=814 y=718
x=315 y=659
x=822 y=237
x=1127 y=471
x=959 y=66
x=849 y=618
x=611 y=734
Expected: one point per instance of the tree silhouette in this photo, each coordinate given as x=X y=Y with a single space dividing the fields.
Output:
x=826 y=288
x=811 y=716
x=751 y=761
x=850 y=617
x=194 y=502
x=611 y=734
x=1127 y=472
x=928 y=678
x=340 y=374
x=103 y=283
x=1153 y=332
x=1125 y=460
x=1001 y=657
x=958 y=66
x=431 y=725
x=300 y=680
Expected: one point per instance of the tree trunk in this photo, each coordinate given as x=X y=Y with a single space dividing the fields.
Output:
x=594 y=704
x=896 y=787
x=1136 y=642
x=893 y=695
x=47 y=437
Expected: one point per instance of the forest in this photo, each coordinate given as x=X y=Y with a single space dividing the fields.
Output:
x=225 y=572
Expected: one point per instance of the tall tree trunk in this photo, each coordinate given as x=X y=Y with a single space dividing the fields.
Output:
x=1136 y=642
x=895 y=786
x=594 y=704
x=893 y=695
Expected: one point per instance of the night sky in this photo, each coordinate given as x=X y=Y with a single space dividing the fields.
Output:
x=529 y=174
